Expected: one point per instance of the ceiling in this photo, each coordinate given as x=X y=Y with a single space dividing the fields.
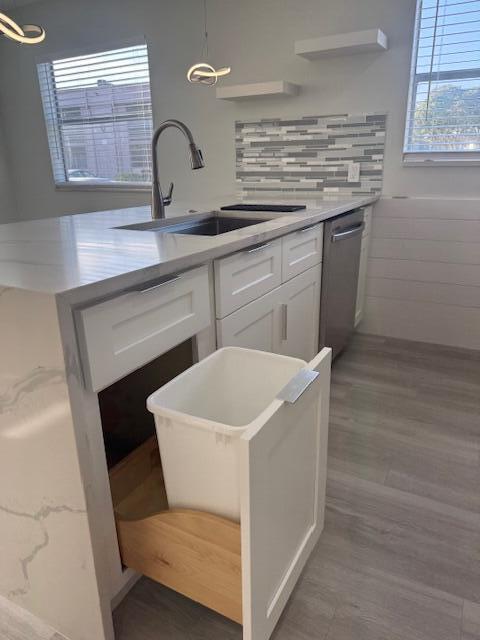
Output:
x=7 y=5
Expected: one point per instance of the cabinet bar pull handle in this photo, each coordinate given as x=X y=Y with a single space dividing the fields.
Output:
x=306 y=229
x=284 y=321
x=300 y=382
x=348 y=233
x=158 y=285
x=261 y=246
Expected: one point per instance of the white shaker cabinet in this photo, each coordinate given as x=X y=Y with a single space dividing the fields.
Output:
x=283 y=321
x=268 y=297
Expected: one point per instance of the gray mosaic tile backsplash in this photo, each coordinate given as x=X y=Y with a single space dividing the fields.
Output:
x=310 y=155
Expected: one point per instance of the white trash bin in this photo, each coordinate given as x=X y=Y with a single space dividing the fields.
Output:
x=199 y=416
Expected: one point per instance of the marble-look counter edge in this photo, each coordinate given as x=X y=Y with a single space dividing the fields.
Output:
x=79 y=294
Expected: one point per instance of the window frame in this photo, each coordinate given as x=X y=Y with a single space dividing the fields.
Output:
x=48 y=57
x=431 y=157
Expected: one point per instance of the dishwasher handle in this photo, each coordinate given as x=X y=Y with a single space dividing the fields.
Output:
x=348 y=233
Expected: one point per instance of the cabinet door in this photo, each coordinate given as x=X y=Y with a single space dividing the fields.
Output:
x=282 y=468
x=300 y=314
x=254 y=326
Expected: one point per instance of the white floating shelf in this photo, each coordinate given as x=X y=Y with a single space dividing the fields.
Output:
x=257 y=89
x=342 y=43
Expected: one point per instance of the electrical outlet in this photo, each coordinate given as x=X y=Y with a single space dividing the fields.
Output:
x=354 y=172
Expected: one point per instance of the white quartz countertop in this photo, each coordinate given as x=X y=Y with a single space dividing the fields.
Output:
x=85 y=251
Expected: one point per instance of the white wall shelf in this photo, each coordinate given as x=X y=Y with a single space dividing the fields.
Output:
x=257 y=89
x=342 y=44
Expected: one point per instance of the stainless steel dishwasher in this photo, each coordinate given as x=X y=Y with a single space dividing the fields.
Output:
x=342 y=242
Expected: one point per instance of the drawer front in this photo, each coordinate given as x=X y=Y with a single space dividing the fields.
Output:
x=121 y=335
x=245 y=276
x=282 y=467
x=301 y=250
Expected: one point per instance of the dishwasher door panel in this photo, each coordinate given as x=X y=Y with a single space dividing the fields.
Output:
x=341 y=251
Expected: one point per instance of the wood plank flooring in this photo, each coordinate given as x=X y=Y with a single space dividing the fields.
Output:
x=400 y=555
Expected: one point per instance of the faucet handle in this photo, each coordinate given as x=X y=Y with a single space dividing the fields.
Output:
x=168 y=198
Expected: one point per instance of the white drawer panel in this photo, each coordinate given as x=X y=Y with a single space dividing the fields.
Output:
x=247 y=275
x=122 y=334
x=301 y=250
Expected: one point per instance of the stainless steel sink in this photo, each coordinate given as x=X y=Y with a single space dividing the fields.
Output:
x=210 y=225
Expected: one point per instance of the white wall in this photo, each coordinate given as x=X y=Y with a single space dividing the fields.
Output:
x=256 y=38
x=424 y=271
x=7 y=202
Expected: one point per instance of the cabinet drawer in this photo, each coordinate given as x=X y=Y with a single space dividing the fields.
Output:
x=122 y=334
x=280 y=472
x=245 y=276
x=301 y=250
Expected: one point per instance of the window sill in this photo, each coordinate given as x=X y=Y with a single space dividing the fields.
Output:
x=443 y=160
x=133 y=187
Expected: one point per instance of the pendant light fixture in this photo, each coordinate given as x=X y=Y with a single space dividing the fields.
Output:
x=203 y=72
x=26 y=34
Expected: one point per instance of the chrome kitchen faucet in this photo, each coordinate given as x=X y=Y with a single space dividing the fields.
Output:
x=159 y=201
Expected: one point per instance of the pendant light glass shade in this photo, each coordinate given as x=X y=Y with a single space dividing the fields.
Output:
x=26 y=34
x=203 y=72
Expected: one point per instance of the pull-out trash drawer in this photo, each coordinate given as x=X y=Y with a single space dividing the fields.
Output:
x=240 y=503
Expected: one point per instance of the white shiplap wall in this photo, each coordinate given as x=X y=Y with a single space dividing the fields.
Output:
x=423 y=278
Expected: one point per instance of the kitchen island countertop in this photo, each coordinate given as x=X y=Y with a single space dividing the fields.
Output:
x=87 y=255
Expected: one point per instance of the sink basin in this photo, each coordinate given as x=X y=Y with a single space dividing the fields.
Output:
x=213 y=225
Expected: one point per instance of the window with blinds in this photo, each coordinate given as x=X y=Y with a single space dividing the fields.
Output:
x=98 y=113
x=443 y=118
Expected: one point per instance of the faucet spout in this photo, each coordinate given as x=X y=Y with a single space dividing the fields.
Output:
x=159 y=201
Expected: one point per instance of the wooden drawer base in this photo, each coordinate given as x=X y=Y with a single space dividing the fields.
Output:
x=194 y=553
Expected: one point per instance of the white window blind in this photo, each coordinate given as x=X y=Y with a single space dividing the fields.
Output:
x=98 y=113
x=443 y=118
